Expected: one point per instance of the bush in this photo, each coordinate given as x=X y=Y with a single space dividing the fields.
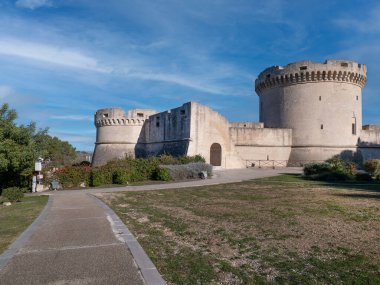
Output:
x=25 y=190
x=137 y=169
x=188 y=171
x=74 y=176
x=341 y=165
x=127 y=170
x=191 y=159
x=144 y=169
x=363 y=177
x=121 y=176
x=334 y=169
x=13 y=194
x=316 y=168
x=101 y=176
x=372 y=166
x=162 y=174
x=165 y=159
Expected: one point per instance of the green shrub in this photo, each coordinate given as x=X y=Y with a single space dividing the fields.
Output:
x=316 y=168
x=100 y=176
x=74 y=176
x=25 y=190
x=191 y=159
x=144 y=169
x=363 y=177
x=162 y=174
x=165 y=159
x=372 y=166
x=13 y=194
x=334 y=169
x=341 y=165
x=121 y=176
x=127 y=170
x=137 y=169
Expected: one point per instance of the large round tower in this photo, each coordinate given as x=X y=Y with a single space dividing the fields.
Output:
x=322 y=103
x=117 y=133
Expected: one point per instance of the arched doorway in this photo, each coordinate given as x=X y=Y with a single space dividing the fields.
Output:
x=216 y=154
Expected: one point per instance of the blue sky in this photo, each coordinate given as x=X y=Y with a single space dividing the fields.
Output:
x=61 y=60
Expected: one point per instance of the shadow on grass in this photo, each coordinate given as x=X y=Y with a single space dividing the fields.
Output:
x=373 y=186
x=360 y=196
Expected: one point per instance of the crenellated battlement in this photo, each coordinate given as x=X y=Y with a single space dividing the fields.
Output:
x=117 y=117
x=119 y=122
x=311 y=72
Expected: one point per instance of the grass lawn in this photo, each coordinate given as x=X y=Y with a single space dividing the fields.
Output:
x=16 y=218
x=281 y=230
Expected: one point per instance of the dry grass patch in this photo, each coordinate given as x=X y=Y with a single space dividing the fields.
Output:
x=258 y=232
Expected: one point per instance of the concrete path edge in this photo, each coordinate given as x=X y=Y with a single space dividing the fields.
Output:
x=148 y=270
x=7 y=255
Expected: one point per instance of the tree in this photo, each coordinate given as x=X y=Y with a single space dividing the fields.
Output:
x=17 y=150
x=54 y=150
x=20 y=146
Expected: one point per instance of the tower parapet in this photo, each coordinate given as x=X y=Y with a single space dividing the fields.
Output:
x=117 y=117
x=312 y=72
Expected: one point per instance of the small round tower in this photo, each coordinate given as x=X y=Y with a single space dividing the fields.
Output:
x=117 y=133
x=322 y=103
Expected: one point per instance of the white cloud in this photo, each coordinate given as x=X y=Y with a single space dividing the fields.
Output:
x=72 y=117
x=33 y=4
x=70 y=58
x=178 y=80
x=49 y=54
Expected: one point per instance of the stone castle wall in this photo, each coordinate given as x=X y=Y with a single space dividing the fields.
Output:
x=321 y=103
x=166 y=133
x=308 y=111
x=369 y=142
x=262 y=144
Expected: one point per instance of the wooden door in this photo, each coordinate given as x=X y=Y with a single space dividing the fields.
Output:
x=216 y=154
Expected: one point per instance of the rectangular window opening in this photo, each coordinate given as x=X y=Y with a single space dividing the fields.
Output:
x=320 y=98
x=183 y=112
x=357 y=98
x=303 y=67
x=105 y=115
x=344 y=64
x=157 y=124
x=140 y=115
x=353 y=128
x=321 y=126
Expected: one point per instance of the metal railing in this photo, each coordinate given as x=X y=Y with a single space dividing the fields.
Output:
x=279 y=163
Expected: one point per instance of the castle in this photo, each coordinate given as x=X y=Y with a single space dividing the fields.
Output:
x=308 y=112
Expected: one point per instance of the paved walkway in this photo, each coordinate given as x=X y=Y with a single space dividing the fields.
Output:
x=79 y=241
x=74 y=245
